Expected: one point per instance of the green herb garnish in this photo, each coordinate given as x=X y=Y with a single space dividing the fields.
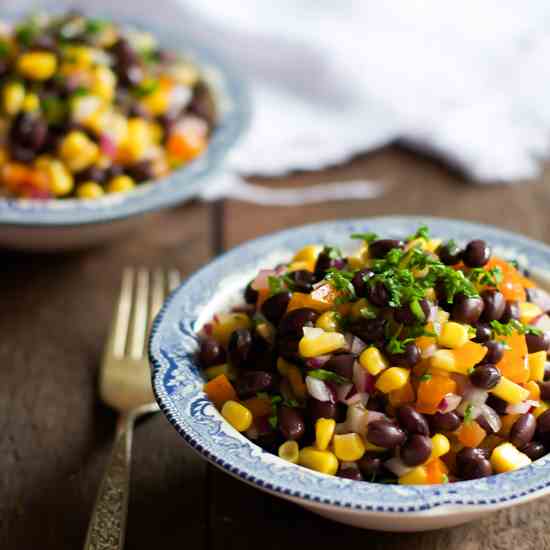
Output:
x=367 y=237
x=426 y=377
x=421 y=233
x=468 y=413
x=491 y=277
x=95 y=26
x=328 y=376
x=341 y=281
x=147 y=87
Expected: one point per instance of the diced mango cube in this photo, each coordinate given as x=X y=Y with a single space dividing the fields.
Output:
x=453 y=335
x=510 y=391
x=506 y=458
x=537 y=362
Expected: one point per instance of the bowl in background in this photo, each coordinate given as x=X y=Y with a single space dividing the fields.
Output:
x=178 y=387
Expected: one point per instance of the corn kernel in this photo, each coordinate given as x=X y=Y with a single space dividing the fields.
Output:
x=81 y=56
x=510 y=391
x=237 y=415
x=120 y=184
x=417 y=476
x=372 y=360
x=321 y=345
x=104 y=83
x=78 y=151
x=301 y=265
x=324 y=430
x=89 y=190
x=537 y=362
x=432 y=245
x=542 y=408
x=506 y=458
x=534 y=390
x=31 y=103
x=444 y=359
x=60 y=179
x=138 y=139
x=13 y=96
x=453 y=335
x=528 y=311
x=37 y=65
x=320 y=461
x=158 y=101
x=440 y=446
x=216 y=370
x=289 y=451
x=308 y=254
x=349 y=447
x=226 y=323
x=392 y=379
x=328 y=321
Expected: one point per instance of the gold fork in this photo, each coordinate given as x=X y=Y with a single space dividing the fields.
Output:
x=125 y=385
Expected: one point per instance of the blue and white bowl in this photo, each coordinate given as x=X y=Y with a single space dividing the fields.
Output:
x=178 y=387
x=72 y=223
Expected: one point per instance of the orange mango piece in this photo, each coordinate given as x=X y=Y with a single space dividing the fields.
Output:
x=299 y=300
x=471 y=434
x=507 y=422
x=513 y=364
x=431 y=392
x=402 y=396
x=437 y=471
x=468 y=355
x=534 y=390
x=219 y=390
x=513 y=283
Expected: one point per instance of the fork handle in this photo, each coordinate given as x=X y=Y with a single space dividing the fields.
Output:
x=108 y=523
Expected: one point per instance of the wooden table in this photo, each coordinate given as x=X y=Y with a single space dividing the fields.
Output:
x=55 y=435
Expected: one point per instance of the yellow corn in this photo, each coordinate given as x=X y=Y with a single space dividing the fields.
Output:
x=138 y=139
x=226 y=323
x=321 y=345
x=121 y=184
x=392 y=379
x=289 y=451
x=78 y=151
x=308 y=254
x=37 y=65
x=60 y=179
x=417 y=476
x=89 y=190
x=543 y=407
x=320 y=461
x=81 y=56
x=328 y=321
x=237 y=415
x=31 y=103
x=349 y=447
x=528 y=311
x=510 y=391
x=301 y=266
x=432 y=245
x=157 y=102
x=13 y=96
x=372 y=360
x=537 y=361
x=358 y=260
x=506 y=458
x=324 y=430
x=103 y=83
x=453 y=335
x=440 y=446
x=444 y=359
x=216 y=370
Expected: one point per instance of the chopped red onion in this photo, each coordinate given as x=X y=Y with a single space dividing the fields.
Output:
x=429 y=351
x=317 y=362
x=476 y=396
x=318 y=389
x=449 y=403
x=361 y=397
x=208 y=329
x=107 y=146
x=492 y=417
x=357 y=418
x=521 y=408
x=396 y=466
x=312 y=332
x=363 y=380
x=357 y=346
x=540 y=298
x=339 y=263
x=345 y=391
x=261 y=280
x=432 y=316
x=462 y=382
x=475 y=410
x=375 y=415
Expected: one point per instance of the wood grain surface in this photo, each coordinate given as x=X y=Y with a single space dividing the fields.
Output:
x=55 y=435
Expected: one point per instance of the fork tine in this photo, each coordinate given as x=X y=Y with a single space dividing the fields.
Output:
x=138 y=327
x=119 y=329
x=157 y=295
x=174 y=279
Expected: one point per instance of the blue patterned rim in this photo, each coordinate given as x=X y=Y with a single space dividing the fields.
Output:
x=181 y=185
x=178 y=383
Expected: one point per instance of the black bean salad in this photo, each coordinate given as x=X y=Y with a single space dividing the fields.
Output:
x=89 y=107
x=411 y=361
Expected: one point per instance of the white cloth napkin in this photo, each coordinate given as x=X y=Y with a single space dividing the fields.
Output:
x=467 y=81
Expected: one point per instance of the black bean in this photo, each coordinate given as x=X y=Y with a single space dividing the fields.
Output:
x=449 y=253
x=211 y=353
x=378 y=294
x=444 y=422
x=302 y=280
x=252 y=382
x=537 y=342
x=369 y=330
x=324 y=263
x=466 y=309
x=291 y=423
x=407 y=316
x=370 y=465
x=476 y=254
x=493 y=305
x=250 y=294
x=545 y=390
x=495 y=351
x=483 y=333
x=385 y=434
x=28 y=131
x=341 y=365
x=287 y=347
x=412 y=421
x=113 y=171
x=534 y=450
x=142 y=170
x=321 y=409
x=381 y=247
x=376 y=402
x=239 y=347
x=485 y=376
x=22 y=154
x=293 y=323
x=359 y=282
x=482 y=421
x=523 y=430
x=546 y=371
x=275 y=306
x=409 y=358
x=92 y=173
x=203 y=105
x=511 y=311
x=496 y=403
x=416 y=450
x=472 y=463
x=543 y=425
x=350 y=473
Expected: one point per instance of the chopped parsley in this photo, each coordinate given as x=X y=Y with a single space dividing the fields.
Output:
x=333 y=252
x=280 y=283
x=507 y=329
x=341 y=281
x=426 y=377
x=468 y=413
x=95 y=26
x=368 y=312
x=367 y=237
x=491 y=277
x=328 y=376
x=421 y=233
x=146 y=87
x=444 y=478
x=4 y=49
